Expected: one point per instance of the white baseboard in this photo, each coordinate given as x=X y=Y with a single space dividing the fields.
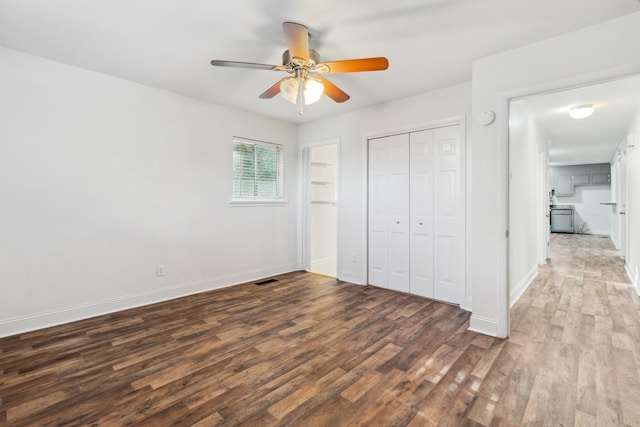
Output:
x=466 y=304
x=599 y=232
x=348 y=276
x=522 y=286
x=326 y=266
x=634 y=280
x=615 y=241
x=483 y=325
x=70 y=314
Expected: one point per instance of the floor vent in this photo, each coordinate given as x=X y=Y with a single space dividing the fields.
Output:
x=264 y=282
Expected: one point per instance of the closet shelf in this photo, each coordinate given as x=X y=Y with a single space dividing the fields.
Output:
x=321 y=182
x=323 y=202
x=321 y=164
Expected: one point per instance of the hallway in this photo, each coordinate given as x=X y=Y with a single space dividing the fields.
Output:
x=579 y=327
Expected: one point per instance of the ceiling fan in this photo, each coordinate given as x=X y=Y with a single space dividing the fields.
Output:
x=306 y=83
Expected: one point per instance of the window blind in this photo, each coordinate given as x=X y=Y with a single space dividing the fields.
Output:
x=257 y=170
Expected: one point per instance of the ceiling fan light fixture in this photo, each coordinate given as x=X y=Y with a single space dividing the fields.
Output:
x=313 y=90
x=289 y=89
x=305 y=84
x=581 y=111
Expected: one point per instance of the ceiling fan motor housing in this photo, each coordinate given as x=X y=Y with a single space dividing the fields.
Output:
x=288 y=61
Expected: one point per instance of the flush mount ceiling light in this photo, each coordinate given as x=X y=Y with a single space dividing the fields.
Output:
x=581 y=111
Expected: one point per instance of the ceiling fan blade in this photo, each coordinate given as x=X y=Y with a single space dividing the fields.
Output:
x=353 y=65
x=333 y=91
x=297 y=40
x=272 y=91
x=253 y=65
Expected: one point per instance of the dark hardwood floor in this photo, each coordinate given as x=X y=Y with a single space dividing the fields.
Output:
x=309 y=350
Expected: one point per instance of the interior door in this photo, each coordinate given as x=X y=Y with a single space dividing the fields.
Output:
x=398 y=203
x=448 y=215
x=421 y=212
x=389 y=212
x=378 y=224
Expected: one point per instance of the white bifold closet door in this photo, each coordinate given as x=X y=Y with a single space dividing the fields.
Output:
x=421 y=202
x=389 y=212
x=416 y=214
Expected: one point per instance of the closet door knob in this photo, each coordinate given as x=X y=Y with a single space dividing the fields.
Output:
x=397 y=222
x=420 y=223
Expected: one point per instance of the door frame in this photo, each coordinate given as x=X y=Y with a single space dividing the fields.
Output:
x=505 y=98
x=304 y=193
x=622 y=199
x=464 y=296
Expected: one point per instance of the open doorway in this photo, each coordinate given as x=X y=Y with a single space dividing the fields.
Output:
x=322 y=209
x=567 y=175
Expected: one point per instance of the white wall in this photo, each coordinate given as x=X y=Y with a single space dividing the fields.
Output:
x=604 y=51
x=102 y=179
x=352 y=129
x=526 y=139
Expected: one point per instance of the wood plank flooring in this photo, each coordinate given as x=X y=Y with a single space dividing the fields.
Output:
x=309 y=350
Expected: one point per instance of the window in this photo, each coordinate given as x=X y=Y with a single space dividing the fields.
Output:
x=257 y=171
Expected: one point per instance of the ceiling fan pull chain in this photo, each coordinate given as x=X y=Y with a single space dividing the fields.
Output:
x=300 y=93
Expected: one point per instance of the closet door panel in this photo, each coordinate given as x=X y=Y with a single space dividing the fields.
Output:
x=398 y=205
x=421 y=213
x=448 y=224
x=378 y=193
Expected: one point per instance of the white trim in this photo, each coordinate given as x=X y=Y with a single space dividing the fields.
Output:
x=256 y=142
x=84 y=311
x=450 y=121
x=304 y=254
x=502 y=123
x=468 y=300
x=258 y=202
x=483 y=325
x=502 y=218
x=318 y=266
x=598 y=232
x=245 y=202
x=522 y=286
x=350 y=277
x=634 y=281
x=467 y=304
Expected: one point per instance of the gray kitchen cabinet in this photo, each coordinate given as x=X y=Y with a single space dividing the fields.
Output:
x=600 y=178
x=564 y=179
x=562 y=221
x=563 y=185
x=582 y=179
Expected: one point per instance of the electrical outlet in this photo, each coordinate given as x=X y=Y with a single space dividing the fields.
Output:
x=160 y=270
x=354 y=257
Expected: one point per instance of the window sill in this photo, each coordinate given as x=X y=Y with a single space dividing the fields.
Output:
x=258 y=202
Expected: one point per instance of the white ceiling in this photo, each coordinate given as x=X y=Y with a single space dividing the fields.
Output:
x=590 y=140
x=168 y=43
